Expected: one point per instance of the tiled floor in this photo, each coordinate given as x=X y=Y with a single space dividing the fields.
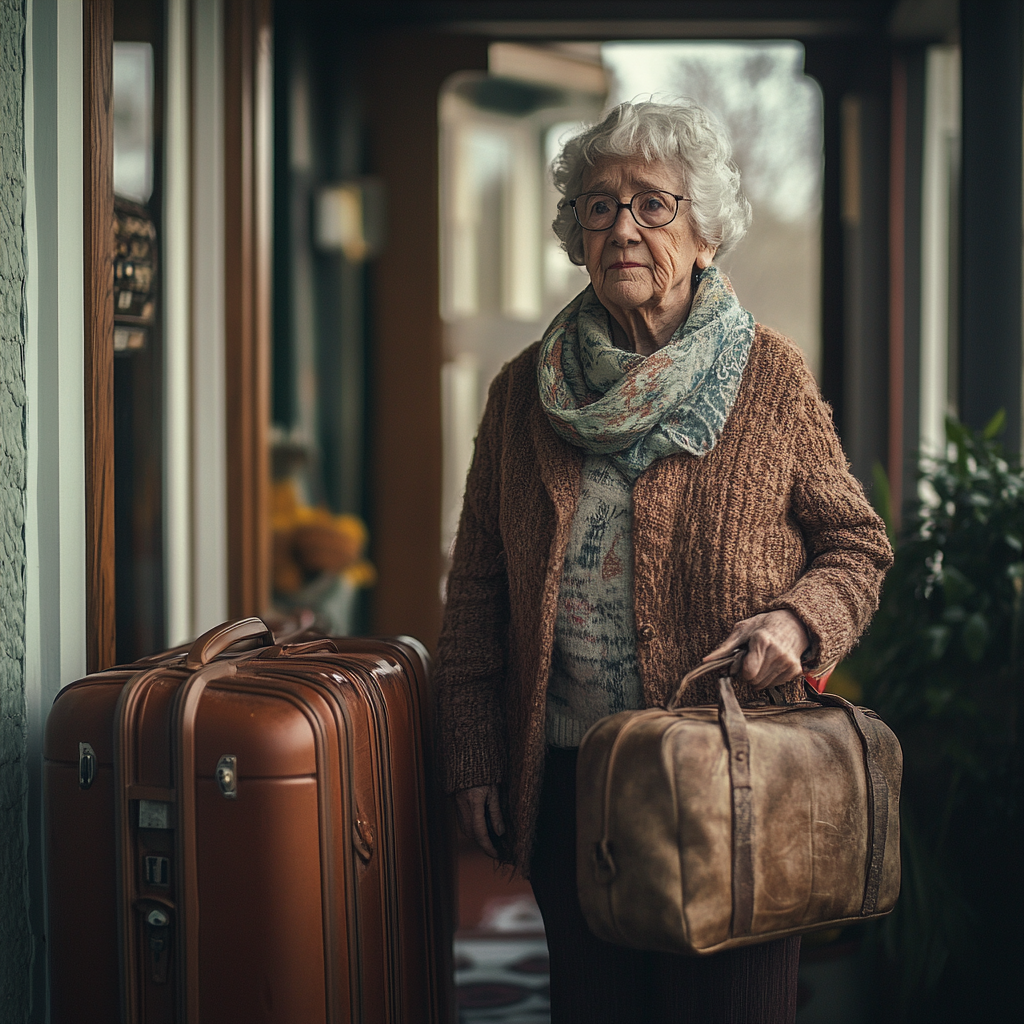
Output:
x=502 y=981
x=501 y=958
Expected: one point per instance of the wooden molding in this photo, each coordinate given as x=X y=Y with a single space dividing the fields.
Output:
x=98 y=144
x=403 y=74
x=248 y=169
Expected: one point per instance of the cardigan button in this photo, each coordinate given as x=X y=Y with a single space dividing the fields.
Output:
x=646 y=632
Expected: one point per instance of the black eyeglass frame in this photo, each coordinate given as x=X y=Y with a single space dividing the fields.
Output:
x=629 y=206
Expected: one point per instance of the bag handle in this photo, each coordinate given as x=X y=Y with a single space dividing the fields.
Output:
x=217 y=640
x=733 y=660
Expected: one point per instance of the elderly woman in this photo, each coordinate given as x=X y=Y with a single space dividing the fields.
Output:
x=655 y=482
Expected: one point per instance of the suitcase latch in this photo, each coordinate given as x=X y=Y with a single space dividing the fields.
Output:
x=86 y=765
x=604 y=864
x=158 y=871
x=362 y=839
x=227 y=776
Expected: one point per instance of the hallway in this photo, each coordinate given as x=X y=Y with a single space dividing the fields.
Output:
x=260 y=263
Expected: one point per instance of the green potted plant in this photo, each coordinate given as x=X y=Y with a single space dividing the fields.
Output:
x=942 y=664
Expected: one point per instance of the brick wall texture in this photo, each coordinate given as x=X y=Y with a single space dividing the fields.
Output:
x=15 y=938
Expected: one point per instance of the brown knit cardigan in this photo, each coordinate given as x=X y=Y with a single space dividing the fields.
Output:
x=770 y=518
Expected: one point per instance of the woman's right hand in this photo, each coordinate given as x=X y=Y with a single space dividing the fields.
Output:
x=473 y=806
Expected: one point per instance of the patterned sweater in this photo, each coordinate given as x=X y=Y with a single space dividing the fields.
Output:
x=770 y=518
x=593 y=665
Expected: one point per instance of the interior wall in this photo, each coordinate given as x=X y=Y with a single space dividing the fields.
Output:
x=54 y=510
x=15 y=935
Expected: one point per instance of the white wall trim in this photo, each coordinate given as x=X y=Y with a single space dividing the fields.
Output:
x=178 y=565
x=940 y=174
x=209 y=427
x=55 y=629
x=55 y=350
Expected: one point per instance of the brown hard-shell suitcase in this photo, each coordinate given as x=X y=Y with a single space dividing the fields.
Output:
x=259 y=838
x=417 y=904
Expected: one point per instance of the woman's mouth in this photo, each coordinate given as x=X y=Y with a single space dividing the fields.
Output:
x=624 y=265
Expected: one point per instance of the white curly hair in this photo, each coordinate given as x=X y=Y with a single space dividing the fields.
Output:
x=683 y=133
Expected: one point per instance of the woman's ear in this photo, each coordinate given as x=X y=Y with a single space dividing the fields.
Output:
x=705 y=255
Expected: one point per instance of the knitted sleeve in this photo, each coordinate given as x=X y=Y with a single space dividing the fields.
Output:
x=470 y=663
x=848 y=551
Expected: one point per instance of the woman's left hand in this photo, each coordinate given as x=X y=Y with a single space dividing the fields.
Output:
x=775 y=643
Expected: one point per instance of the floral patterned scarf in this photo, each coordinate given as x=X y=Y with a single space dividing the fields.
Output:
x=635 y=408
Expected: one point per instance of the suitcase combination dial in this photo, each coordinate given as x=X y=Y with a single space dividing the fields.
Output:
x=158 y=927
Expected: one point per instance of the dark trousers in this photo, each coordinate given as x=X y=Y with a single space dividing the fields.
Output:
x=595 y=982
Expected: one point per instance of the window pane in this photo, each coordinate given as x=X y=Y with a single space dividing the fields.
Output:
x=133 y=121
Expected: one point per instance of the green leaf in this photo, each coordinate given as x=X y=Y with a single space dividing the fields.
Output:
x=994 y=427
x=954 y=613
x=938 y=638
x=956 y=586
x=975 y=636
x=882 y=498
x=956 y=432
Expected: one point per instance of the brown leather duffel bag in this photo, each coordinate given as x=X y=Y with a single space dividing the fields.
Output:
x=706 y=828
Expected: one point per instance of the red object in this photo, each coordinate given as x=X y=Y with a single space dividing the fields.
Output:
x=254 y=838
x=818 y=683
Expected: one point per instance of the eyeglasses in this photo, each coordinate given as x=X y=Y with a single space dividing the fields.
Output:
x=598 y=211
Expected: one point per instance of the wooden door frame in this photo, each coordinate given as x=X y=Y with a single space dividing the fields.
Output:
x=98 y=216
x=248 y=177
x=247 y=246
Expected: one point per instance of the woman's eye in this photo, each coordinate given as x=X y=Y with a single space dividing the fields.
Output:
x=599 y=206
x=653 y=203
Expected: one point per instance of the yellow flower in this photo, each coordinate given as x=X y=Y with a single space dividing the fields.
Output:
x=315 y=540
x=362 y=574
x=284 y=505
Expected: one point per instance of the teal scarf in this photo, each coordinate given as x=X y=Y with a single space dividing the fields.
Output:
x=635 y=408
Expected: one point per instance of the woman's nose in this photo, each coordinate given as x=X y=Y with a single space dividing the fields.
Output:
x=624 y=228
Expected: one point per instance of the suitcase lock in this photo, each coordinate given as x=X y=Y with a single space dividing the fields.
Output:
x=158 y=925
x=86 y=765
x=227 y=776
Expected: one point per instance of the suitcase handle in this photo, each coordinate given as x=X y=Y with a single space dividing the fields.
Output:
x=217 y=640
x=324 y=645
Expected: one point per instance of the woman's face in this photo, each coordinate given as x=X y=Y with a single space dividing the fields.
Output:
x=632 y=266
